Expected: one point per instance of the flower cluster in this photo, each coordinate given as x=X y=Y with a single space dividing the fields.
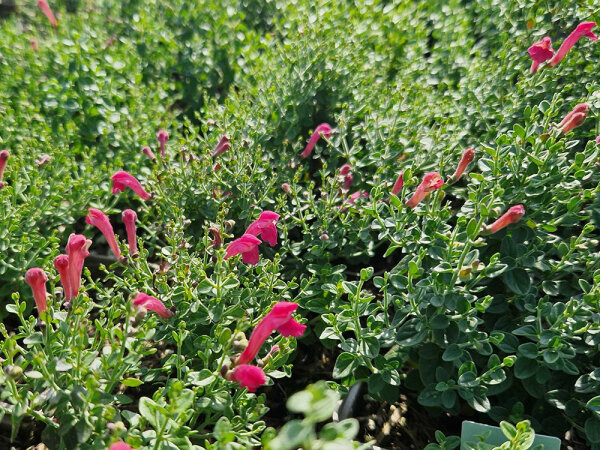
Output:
x=280 y=319
x=542 y=51
x=247 y=245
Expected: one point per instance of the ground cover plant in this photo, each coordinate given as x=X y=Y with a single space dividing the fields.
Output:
x=217 y=218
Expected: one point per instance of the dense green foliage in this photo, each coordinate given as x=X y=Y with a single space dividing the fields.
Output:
x=507 y=324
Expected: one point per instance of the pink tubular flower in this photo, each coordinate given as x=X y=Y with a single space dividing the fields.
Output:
x=265 y=227
x=149 y=153
x=398 y=184
x=583 y=29
x=100 y=220
x=513 y=215
x=247 y=245
x=580 y=108
x=120 y=446
x=217 y=240
x=122 y=179
x=162 y=137
x=221 y=147
x=280 y=319
x=323 y=129
x=431 y=181
x=465 y=160
x=353 y=197
x=129 y=217
x=61 y=264
x=152 y=304
x=77 y=251
x=286 y=188
x=36 y=278
x=4 y=155
x=250 y=377
x=45 y=7
x=576 y=120
x=598 y=139
x=540 y=51
x=348 y=179
x=43 y=160
x=345 y=169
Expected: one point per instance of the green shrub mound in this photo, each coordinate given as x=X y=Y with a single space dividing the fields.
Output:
x=433 y=298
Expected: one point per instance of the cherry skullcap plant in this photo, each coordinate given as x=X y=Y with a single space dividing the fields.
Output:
x=61 y=264
x=575 y=118
x=322 y=130
x=345 y=169
x=100 y=220
x=149 y=153
x=129 y=217
x=250 y=377
x=153 y=304
x=162 y=136
x=217 y=239
x=280 y=319
x=352 y=198
x=465 y=160
x=221 y=147
x=120 y=446
x=122 y=179
x=398 y=184
x=45 y=7
x=247 y=246
x=36 y=278
x=265 y=227
x=540 y=52
x=4 y=155
x=77 y=250
x=584 y=29
x=431 y=181
x=348 y=179
x=513 y=215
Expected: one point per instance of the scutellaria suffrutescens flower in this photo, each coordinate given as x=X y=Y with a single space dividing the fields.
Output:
x=152 y=304
x=540 y=52
x=323 y=129
x=584 y=29
x=129 y=217
x=280 y=319
x=513 y=215
x=36 y=278
x=247 y=246
x=122 y=179
x=101 y=221
x=431 y=182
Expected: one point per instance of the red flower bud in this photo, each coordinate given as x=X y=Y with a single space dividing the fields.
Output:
x=431 y=181
x=513 y=215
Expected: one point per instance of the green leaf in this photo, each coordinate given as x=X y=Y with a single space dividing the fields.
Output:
x=147 y=409
x=594 y=404
x=345 y=364
x=131 y=382
x=525 y=368
x=35 y=338
x=452 y=353
x=528 y=350
x=439 y=322
x=592 y=430
x=517 y=281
